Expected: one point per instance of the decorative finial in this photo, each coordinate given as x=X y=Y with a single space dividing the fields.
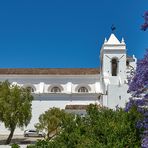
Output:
x=122 y=41
x=113 y=28
x=105 y=40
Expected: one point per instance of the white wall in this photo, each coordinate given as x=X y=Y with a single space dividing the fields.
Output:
x=43 y=102
x=43 y=99
x=117 y=95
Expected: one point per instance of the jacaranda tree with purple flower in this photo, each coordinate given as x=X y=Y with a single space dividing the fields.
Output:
x=138 y=87
x=145 y=25
x=139 y=90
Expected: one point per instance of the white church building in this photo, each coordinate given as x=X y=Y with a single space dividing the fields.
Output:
x=73 y=88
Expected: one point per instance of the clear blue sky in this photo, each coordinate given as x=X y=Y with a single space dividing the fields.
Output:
x=67 y=33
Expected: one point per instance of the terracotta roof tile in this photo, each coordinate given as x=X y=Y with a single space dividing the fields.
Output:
x=49 y=71
x=130 y=58
x=78 y=107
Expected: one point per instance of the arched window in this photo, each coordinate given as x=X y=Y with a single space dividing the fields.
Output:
x=114 y=67
x=82 y=89
x=30 y=89
x=55 y=89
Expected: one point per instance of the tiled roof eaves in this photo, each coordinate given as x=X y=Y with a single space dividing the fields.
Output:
x=49 y=71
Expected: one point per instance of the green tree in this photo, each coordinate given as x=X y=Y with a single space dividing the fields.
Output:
x=100 y=128
x=51 y=121
x=114 y=128
x=15 y=107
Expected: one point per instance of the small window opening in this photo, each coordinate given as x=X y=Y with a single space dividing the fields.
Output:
x=55 y=89
x=82 y=89
x=114 y=67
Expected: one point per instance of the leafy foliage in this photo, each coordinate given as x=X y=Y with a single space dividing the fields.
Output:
x=40 y=144
x=15 y=145
x=100 y=128
x=15 y=107
x=51 y=121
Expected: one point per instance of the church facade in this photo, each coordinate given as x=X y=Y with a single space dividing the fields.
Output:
x=74 y=88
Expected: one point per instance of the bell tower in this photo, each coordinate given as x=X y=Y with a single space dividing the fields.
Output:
x=113 y=59
x=113 y=71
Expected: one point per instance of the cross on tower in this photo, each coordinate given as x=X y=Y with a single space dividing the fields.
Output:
x=113 y=28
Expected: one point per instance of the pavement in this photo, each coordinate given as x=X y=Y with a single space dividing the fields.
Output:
x=19 y=139
x=7 y=146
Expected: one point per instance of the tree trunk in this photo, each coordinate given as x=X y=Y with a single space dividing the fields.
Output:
x=48 y=135
x=10 y=136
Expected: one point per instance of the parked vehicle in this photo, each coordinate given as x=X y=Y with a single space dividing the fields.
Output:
x=33 y=133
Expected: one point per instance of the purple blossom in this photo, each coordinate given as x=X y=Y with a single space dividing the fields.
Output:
x=146 y=16
x=129 y=105
x=145 y=120
x=145 y=25
x=140 y=79
x=138 y=87
x=141 y=110
x=145 y=126
x=139 y=124
x=142 y=85
x=145 y=132
x=146 y=96
x=135 y=102
x=145 y=142
x=146 y=114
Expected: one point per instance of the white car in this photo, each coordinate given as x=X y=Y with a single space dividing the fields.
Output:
x=33 y=133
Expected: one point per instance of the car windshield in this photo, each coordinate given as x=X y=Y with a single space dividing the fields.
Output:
x=32 y=131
